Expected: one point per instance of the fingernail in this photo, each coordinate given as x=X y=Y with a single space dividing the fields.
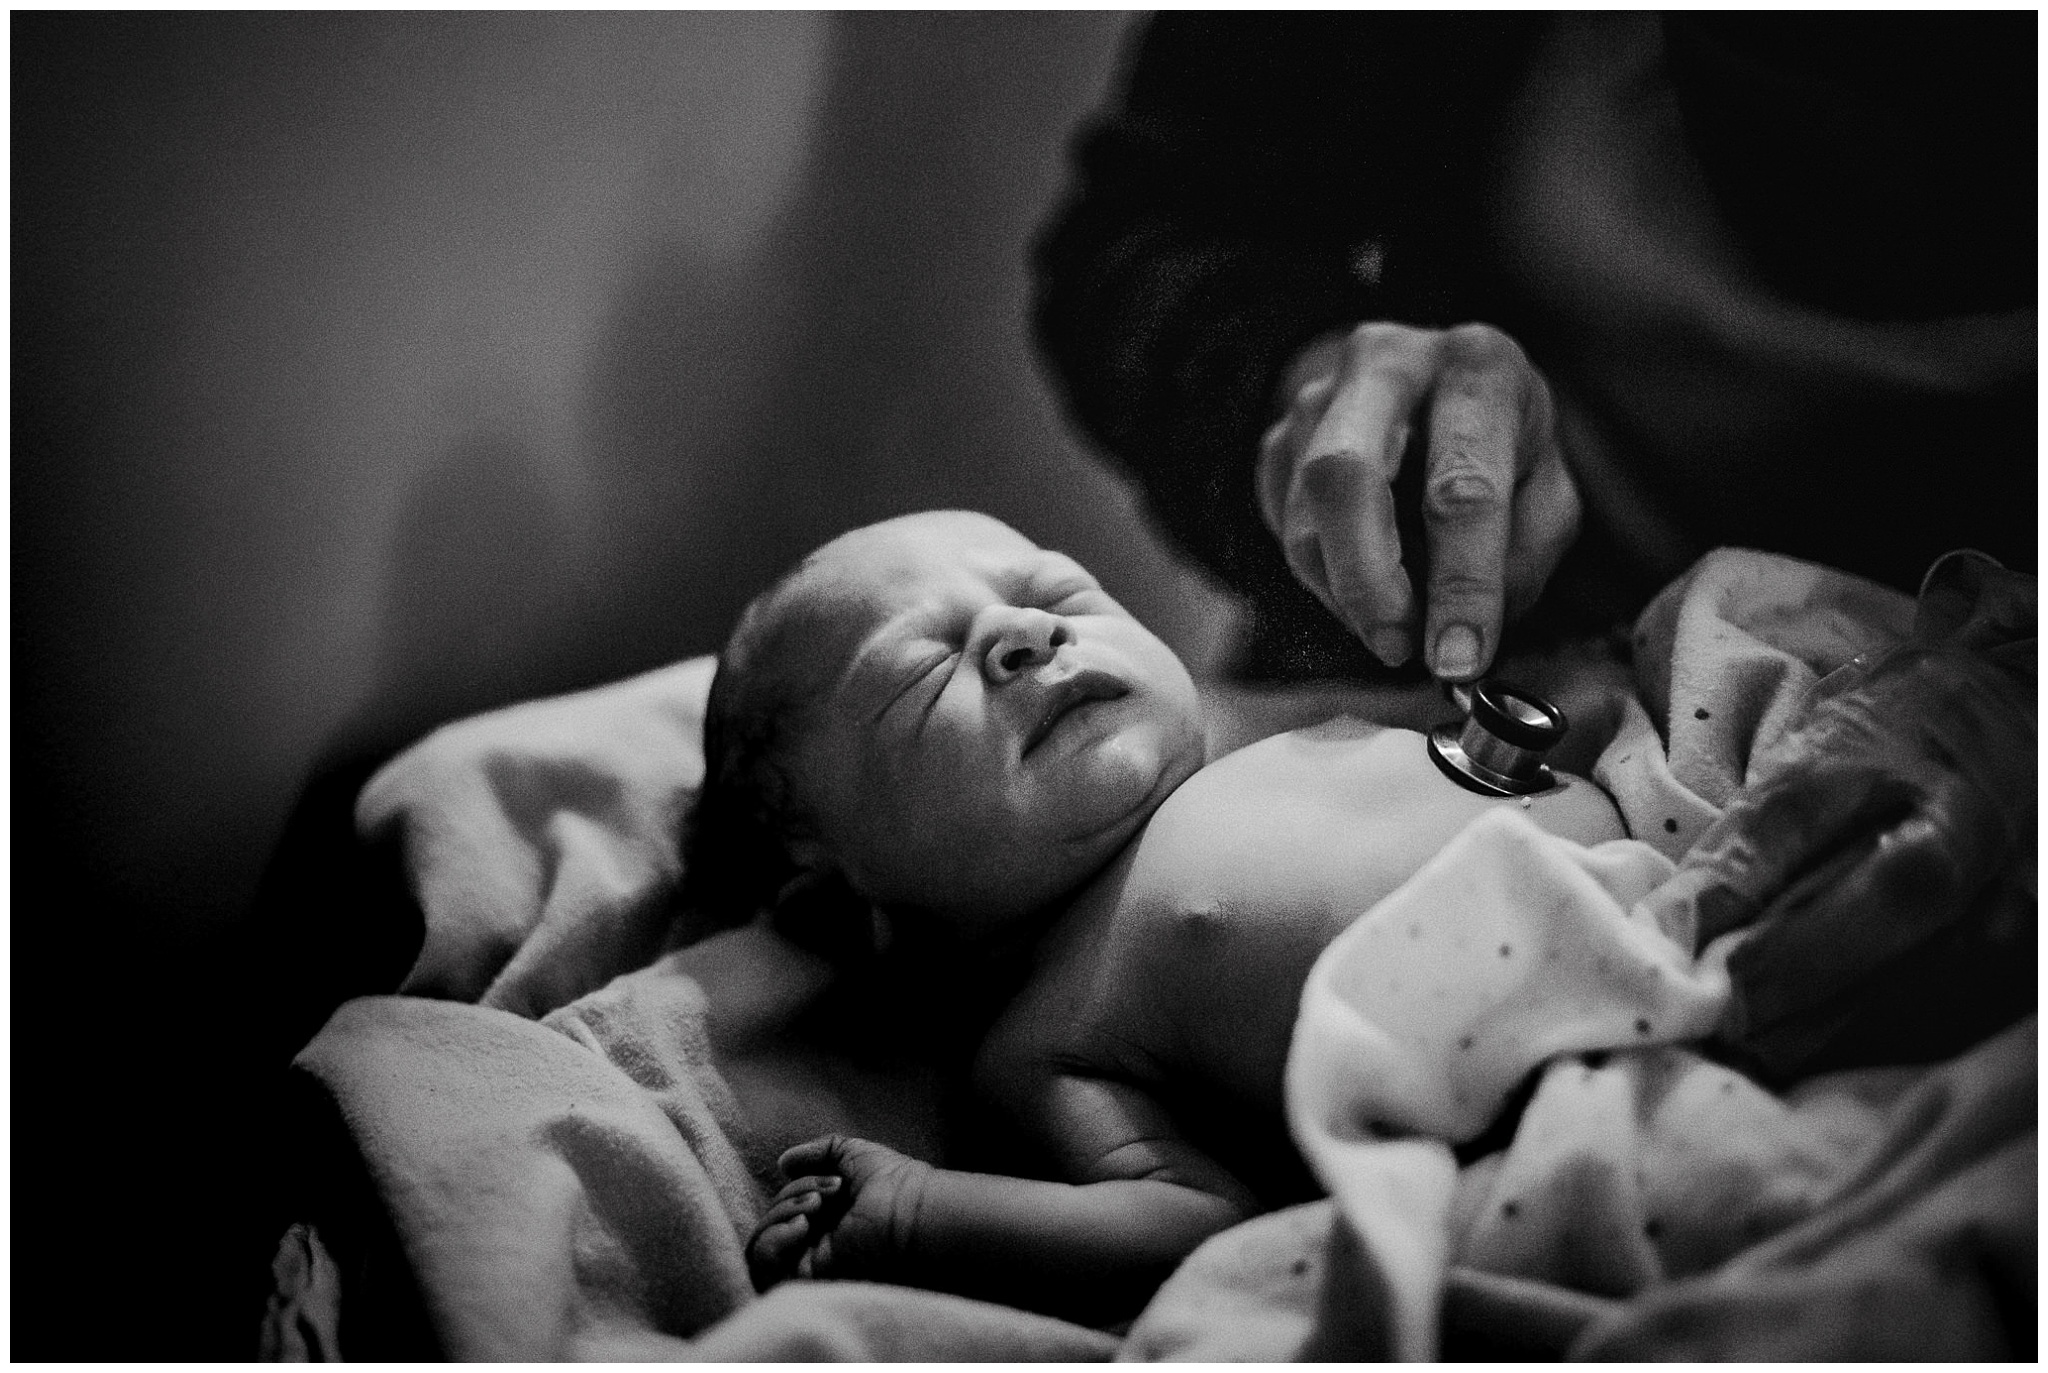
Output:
x=1390 y=646
x=828 y=1184
x=1457 y=651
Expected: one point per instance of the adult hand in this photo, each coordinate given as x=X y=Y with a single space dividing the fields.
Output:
x=1499 y=508
x=1888 y=834
x=1900 y=796
x=1907 y=780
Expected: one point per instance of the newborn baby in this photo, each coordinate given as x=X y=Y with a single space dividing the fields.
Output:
x=934 y=723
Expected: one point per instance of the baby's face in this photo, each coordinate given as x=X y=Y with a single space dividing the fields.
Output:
x=993 y=727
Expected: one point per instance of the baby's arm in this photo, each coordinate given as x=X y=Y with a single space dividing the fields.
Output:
x=1092 y=1249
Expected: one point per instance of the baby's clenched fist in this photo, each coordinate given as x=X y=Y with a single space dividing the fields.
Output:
x=843 y=1213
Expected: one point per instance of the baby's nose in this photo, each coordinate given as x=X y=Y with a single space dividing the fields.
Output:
x=1020 y=639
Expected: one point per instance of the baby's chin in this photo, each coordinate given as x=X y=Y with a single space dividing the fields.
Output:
x=1104 y=792
x=1079 y=812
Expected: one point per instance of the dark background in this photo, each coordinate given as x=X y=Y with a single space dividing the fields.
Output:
x=372 y=370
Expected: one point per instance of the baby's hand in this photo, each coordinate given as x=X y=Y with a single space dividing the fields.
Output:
x=839 y=1216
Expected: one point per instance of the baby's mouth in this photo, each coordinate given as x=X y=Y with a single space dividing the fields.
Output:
x=1068 y=695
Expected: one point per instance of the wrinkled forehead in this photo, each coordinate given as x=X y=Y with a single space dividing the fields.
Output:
x=849 y=588
x=868 y=575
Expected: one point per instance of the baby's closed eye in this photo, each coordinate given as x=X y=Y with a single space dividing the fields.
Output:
x=923 y=671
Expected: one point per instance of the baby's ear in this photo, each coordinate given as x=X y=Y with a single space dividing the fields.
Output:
x=818 y=909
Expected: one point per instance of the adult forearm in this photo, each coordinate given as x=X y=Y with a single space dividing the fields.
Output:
x=1090 y=1252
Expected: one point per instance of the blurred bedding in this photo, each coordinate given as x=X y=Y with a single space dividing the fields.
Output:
x=1806 y=1142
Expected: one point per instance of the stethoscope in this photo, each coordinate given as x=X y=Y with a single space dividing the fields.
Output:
x=1498 y=748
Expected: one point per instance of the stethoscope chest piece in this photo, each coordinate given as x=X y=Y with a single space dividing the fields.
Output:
x=1498 y=749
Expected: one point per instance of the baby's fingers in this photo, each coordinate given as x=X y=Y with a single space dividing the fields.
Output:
x=810 y=1187
x=794 y=1219
x=819 y=1156
x=777 y=1250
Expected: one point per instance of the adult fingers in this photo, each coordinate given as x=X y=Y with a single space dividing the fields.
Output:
x=1280 y=445
x=1763 y=842
x=1340 y=533
x=1547 y=508
x=1475 y=432
x=1545 y=525
x=1890 y=890
x=1274 y=474
x=1341 y=542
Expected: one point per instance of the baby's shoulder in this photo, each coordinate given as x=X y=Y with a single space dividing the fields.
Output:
x=1255 y=797
x=1304 y=761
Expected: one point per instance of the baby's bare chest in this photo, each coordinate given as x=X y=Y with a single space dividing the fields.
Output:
x=1197 y=945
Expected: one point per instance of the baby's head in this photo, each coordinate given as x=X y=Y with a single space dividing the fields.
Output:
x=939 y=716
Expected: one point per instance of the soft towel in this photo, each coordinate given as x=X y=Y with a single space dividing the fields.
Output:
x=580 y=1188
x=544 y=1201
